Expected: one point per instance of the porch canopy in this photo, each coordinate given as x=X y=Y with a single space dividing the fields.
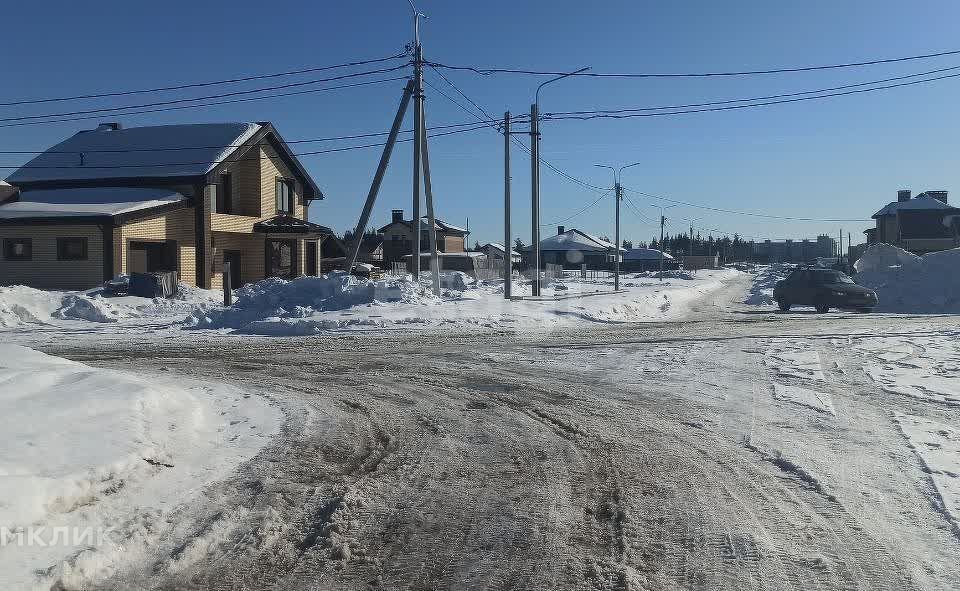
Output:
x=290 y=227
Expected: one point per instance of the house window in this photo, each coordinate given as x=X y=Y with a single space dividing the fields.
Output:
x=225 y=196
x=285 y=196
x=71 y=249
x=18 y=249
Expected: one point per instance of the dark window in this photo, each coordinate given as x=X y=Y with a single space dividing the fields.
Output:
x=71 y=249
x=284 y=196
x=225 y=196
x=18 y=249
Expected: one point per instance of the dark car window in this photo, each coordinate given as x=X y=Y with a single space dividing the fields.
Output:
x=829 y=277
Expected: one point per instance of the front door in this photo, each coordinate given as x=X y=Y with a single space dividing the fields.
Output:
x=311 y=258
x=281 y=258
x=233 y=257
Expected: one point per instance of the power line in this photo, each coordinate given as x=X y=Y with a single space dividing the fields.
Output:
x=630 y=114
x=106 y=110
x=184 y=148
x=489 y=71
x=200 y=84
x=580 y=212
x=747 y=213
x=228 y=160
x=762 y=98
x=210 y=104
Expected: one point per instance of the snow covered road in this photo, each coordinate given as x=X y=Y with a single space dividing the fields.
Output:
x=738 y=449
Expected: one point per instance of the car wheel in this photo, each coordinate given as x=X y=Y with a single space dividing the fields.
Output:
x=783 y=305
x=821 y=308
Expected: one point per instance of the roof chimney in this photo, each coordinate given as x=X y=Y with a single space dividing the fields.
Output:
x=560 y=230
x=110 y=126
x=903 y=195
x=940 y=196
x=397 y=215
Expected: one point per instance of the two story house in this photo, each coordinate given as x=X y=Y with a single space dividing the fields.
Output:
x=920 y=224
x=398 y=238
x=182 y=198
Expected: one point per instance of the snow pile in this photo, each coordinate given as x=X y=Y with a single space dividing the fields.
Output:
x=100 y=451
x=279 y=306
x=761 y=292
x=92 y=309
x=21 y=305
x=904 y=282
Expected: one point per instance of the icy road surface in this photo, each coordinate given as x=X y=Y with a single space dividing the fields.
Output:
x=740 y=449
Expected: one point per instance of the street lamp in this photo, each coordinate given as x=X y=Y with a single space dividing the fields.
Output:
x=535 y=176
x=618 y=196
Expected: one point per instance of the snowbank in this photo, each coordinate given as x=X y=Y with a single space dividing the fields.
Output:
x=100 y=451
x=310 y=305
x=904 y=282
x=21 y=305
x=761 y=292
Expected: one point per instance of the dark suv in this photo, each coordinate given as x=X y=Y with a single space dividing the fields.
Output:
x=823 y=289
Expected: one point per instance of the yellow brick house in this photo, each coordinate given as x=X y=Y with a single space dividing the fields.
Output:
x=181 y=198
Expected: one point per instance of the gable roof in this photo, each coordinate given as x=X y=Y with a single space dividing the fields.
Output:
x=499 y=248
x=440 y=225
x=917 y=203
x=646 y=254
x=87 y=202
x=138 y=155
x=155 y=151
x=574 y=239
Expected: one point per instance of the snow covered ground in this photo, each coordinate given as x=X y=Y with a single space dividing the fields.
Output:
x=104 y=458
x=761 y=291
x=337 y=302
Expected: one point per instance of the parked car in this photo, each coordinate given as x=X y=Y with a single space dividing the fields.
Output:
x=823 y=289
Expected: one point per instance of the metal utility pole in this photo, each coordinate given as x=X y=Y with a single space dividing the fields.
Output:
x=417 y=133
x=535 y=175
x=618 y=196
x=378 y=177
x=507 y=238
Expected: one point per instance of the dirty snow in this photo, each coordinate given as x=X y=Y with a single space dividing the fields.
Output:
x=793 y=361
x=761 y=292
x=923 y=368
x=93 y=448
x=938 y=447
x=820 y=401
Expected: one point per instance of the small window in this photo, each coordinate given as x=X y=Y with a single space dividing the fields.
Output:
x=71 y=249
x=225 y=195
x=285 y=196
x=18 y=249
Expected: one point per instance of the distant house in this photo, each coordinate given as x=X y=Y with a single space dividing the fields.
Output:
x=646 y=259
x=371 y=250
x=921 y=224
x=183 y=198
x=399 y=233
x=495 y=252
x=573 y=248
x=794 y=251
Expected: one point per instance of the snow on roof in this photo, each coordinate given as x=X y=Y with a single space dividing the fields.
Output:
x=92 y=201
x=919 y=202
x=424 y=224
x=499 y=248
x=645 y=254
x=574 y=239
x=156 y=151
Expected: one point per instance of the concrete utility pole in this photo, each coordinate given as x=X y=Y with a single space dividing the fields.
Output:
x=507 y=238
x=535 y=176
x=431 y=220
x=618 y=196
x=417 y=133
x=663 y=221
x=378 y=177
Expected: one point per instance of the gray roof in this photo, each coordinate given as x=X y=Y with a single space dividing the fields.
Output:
x=919 y=202
x=161 y=151
x=645 y=254
x=90 y=201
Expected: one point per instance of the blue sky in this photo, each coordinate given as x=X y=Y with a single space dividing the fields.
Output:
x=843 y=157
